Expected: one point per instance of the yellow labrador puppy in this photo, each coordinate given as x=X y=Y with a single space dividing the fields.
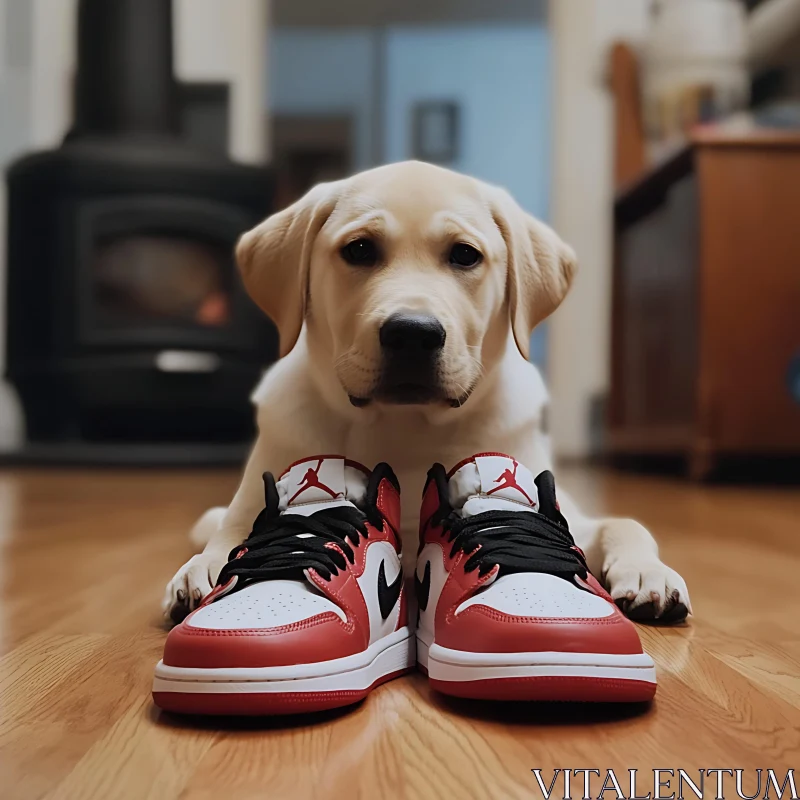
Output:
x=411 y=249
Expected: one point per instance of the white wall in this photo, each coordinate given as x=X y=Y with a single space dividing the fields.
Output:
x=226 y=41
x=214 y=41
x=52 y=66
x=17 y=107
x=579 y=355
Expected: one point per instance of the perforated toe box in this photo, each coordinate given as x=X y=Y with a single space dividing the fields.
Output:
x=527 y=594
x=269 y=604
x=271 y=623
x=535 y=612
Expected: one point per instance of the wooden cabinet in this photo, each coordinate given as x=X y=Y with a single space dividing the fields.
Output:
x=706 y=303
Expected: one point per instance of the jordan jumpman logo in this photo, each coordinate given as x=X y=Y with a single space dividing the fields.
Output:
x=311 y=480
x=508 y=480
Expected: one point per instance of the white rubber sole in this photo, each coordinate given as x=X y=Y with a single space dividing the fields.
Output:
x=286 y=689
x=538 y=675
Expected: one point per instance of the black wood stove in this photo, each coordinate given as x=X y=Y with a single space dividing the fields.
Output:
x=130 y=337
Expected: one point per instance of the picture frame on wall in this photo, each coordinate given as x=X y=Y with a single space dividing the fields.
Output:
x=436 y=131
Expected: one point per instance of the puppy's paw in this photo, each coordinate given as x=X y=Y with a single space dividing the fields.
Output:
x=648 y=591
x=192 y=582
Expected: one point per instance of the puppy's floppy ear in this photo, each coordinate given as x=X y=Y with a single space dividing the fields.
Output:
x=275 y=256
x=540 y=267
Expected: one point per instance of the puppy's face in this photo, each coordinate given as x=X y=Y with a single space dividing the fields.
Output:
x=406 y=282
x=407 y=278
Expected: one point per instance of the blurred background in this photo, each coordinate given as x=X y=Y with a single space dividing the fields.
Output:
x=139 y=138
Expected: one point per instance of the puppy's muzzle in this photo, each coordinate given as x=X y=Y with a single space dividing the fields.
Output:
x=411 y=347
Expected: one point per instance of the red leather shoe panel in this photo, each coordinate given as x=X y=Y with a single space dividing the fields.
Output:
x=318 y=638
x=344 y=591
x=389 y=505
x=402 y=619
x=482 y=629
x=430 y=504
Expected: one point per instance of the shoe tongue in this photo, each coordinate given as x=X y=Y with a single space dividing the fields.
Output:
x=321 y=482
x=548 y=503
x=492 y=483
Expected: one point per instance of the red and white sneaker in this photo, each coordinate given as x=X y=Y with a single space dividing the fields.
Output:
x=310 y=612
x=507 y=607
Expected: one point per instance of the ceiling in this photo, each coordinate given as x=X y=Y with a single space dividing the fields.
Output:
x=350 y=13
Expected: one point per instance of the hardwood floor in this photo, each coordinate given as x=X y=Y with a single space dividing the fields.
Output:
x=85 y=556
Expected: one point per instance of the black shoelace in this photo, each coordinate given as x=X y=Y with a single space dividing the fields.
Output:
x=275 y=548
x=516 y=541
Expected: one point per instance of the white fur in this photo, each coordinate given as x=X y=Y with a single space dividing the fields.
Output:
x=200 y=535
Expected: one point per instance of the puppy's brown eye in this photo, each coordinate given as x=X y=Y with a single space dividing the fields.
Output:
x=360 y=253
x=465 y=256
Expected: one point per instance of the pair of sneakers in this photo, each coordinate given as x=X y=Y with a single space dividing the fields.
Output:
x=311 y=612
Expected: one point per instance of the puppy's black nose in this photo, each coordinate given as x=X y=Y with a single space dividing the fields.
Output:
x=408 y=333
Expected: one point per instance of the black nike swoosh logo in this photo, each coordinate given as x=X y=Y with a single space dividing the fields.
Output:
x=423 y=587
x=388 y=594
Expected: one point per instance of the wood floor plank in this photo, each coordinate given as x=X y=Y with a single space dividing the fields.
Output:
x=136 y=759
x=84 y=556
